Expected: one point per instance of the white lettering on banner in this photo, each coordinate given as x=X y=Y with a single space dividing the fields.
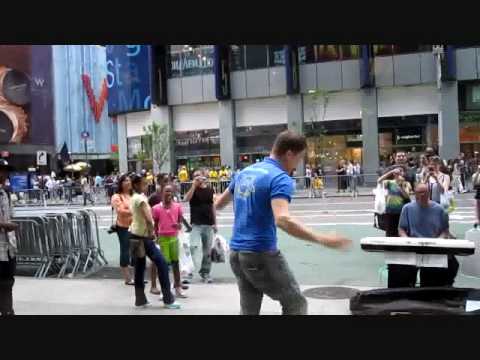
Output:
x=202 y=140
x=110 y=75
x=135 y=50
x=189 y=64
x=38 y=81
x=146 y=103
x=134 y=101
x=408 y=137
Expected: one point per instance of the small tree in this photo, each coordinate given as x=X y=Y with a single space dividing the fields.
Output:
x=319 y=97
x=158 y=134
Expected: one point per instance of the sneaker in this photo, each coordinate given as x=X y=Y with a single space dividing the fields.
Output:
x=207 y=279
x=185 y=287
x=179 y=294
x=155 y=291
x=186 y=281
x=173 y=306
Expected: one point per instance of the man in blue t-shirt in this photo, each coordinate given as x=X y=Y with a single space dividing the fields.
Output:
x=423 y=219
x=261 y=194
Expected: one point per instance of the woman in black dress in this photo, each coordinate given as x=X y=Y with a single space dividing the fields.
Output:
x=342 y=178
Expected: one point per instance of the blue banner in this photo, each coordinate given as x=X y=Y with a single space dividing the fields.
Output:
x=19 y=181
x=128 y=78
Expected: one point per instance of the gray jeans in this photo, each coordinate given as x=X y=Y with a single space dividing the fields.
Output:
x=266 y=273
x=202 y=235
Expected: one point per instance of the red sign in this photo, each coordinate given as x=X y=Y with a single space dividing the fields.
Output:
x=114 y=148
x=96 y=106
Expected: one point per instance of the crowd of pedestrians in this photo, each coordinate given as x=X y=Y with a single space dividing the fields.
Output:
x=433 y=181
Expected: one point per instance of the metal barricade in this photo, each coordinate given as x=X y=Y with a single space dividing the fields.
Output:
x=63 y=195
x=334 y=185
x=59 y=243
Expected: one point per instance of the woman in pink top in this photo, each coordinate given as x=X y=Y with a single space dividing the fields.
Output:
x=168 y=217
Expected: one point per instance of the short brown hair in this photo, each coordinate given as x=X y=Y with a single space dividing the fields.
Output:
x=289 y=140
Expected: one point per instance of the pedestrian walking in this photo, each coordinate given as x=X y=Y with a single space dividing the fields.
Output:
x=204 y=221
x=342 y=176
x=261 y=194
x=476 y=187
x=308 y=178
x=8 y=244
x=183 y=178
x=121 y=205
x=86 y=190
x=142 y=245
x=168 y=218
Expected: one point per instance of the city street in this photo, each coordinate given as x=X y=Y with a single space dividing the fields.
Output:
x=313 y=264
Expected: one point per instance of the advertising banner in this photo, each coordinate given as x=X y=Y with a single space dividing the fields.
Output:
x=128 y=78
x=26 y=100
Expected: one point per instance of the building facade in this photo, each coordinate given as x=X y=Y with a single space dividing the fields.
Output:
x=343 y=117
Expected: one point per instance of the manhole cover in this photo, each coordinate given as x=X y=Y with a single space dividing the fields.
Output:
x=331 y=293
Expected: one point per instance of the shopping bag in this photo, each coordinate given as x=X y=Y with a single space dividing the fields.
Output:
x=185 y=257
x=447 y=201
x=380 y=199
x=219 y=250
x=380 y=207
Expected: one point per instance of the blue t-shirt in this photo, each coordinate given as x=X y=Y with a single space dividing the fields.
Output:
x=422 y=222
x=253 y=189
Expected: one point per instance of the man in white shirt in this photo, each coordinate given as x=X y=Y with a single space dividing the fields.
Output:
x=86 y=190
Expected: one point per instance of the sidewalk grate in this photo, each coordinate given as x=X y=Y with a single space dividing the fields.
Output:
x=331 y=293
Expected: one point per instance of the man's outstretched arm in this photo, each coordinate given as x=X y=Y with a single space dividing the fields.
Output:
x=294 y=228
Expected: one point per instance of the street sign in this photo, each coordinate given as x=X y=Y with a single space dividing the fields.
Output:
x=85 y=135
x=41 y=158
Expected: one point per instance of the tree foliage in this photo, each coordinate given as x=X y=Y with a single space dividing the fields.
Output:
x=158 y=144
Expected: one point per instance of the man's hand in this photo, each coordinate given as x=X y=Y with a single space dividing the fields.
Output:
x=196 y=182
x=335 y=241
x=215 y=228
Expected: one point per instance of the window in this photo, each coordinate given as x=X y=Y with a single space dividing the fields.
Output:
x=406 y=49
x=256 y=56
x=174 y=61
x=348 y=52
x=190 y=60
x=277 y=55
x=382 y=50
x=328 y=53
x=398 y=49
x=237 y=57
x=306 y=54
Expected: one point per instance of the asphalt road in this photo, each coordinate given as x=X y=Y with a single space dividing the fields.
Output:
x=314 y=264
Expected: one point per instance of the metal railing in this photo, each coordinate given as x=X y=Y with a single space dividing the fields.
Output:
x=312 y=187
x=63 y=195
x=58 y=242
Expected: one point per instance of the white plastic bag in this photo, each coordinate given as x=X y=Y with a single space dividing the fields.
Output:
x=380 y=199
x=185 y=257
x=219 y=250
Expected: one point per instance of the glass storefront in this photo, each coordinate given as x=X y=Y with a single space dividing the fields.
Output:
x=255 y=142
x=198 y=149
x=331 y=141
x=411 y=134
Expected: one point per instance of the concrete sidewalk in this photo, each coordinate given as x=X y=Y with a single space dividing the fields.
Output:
x=111 y=297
